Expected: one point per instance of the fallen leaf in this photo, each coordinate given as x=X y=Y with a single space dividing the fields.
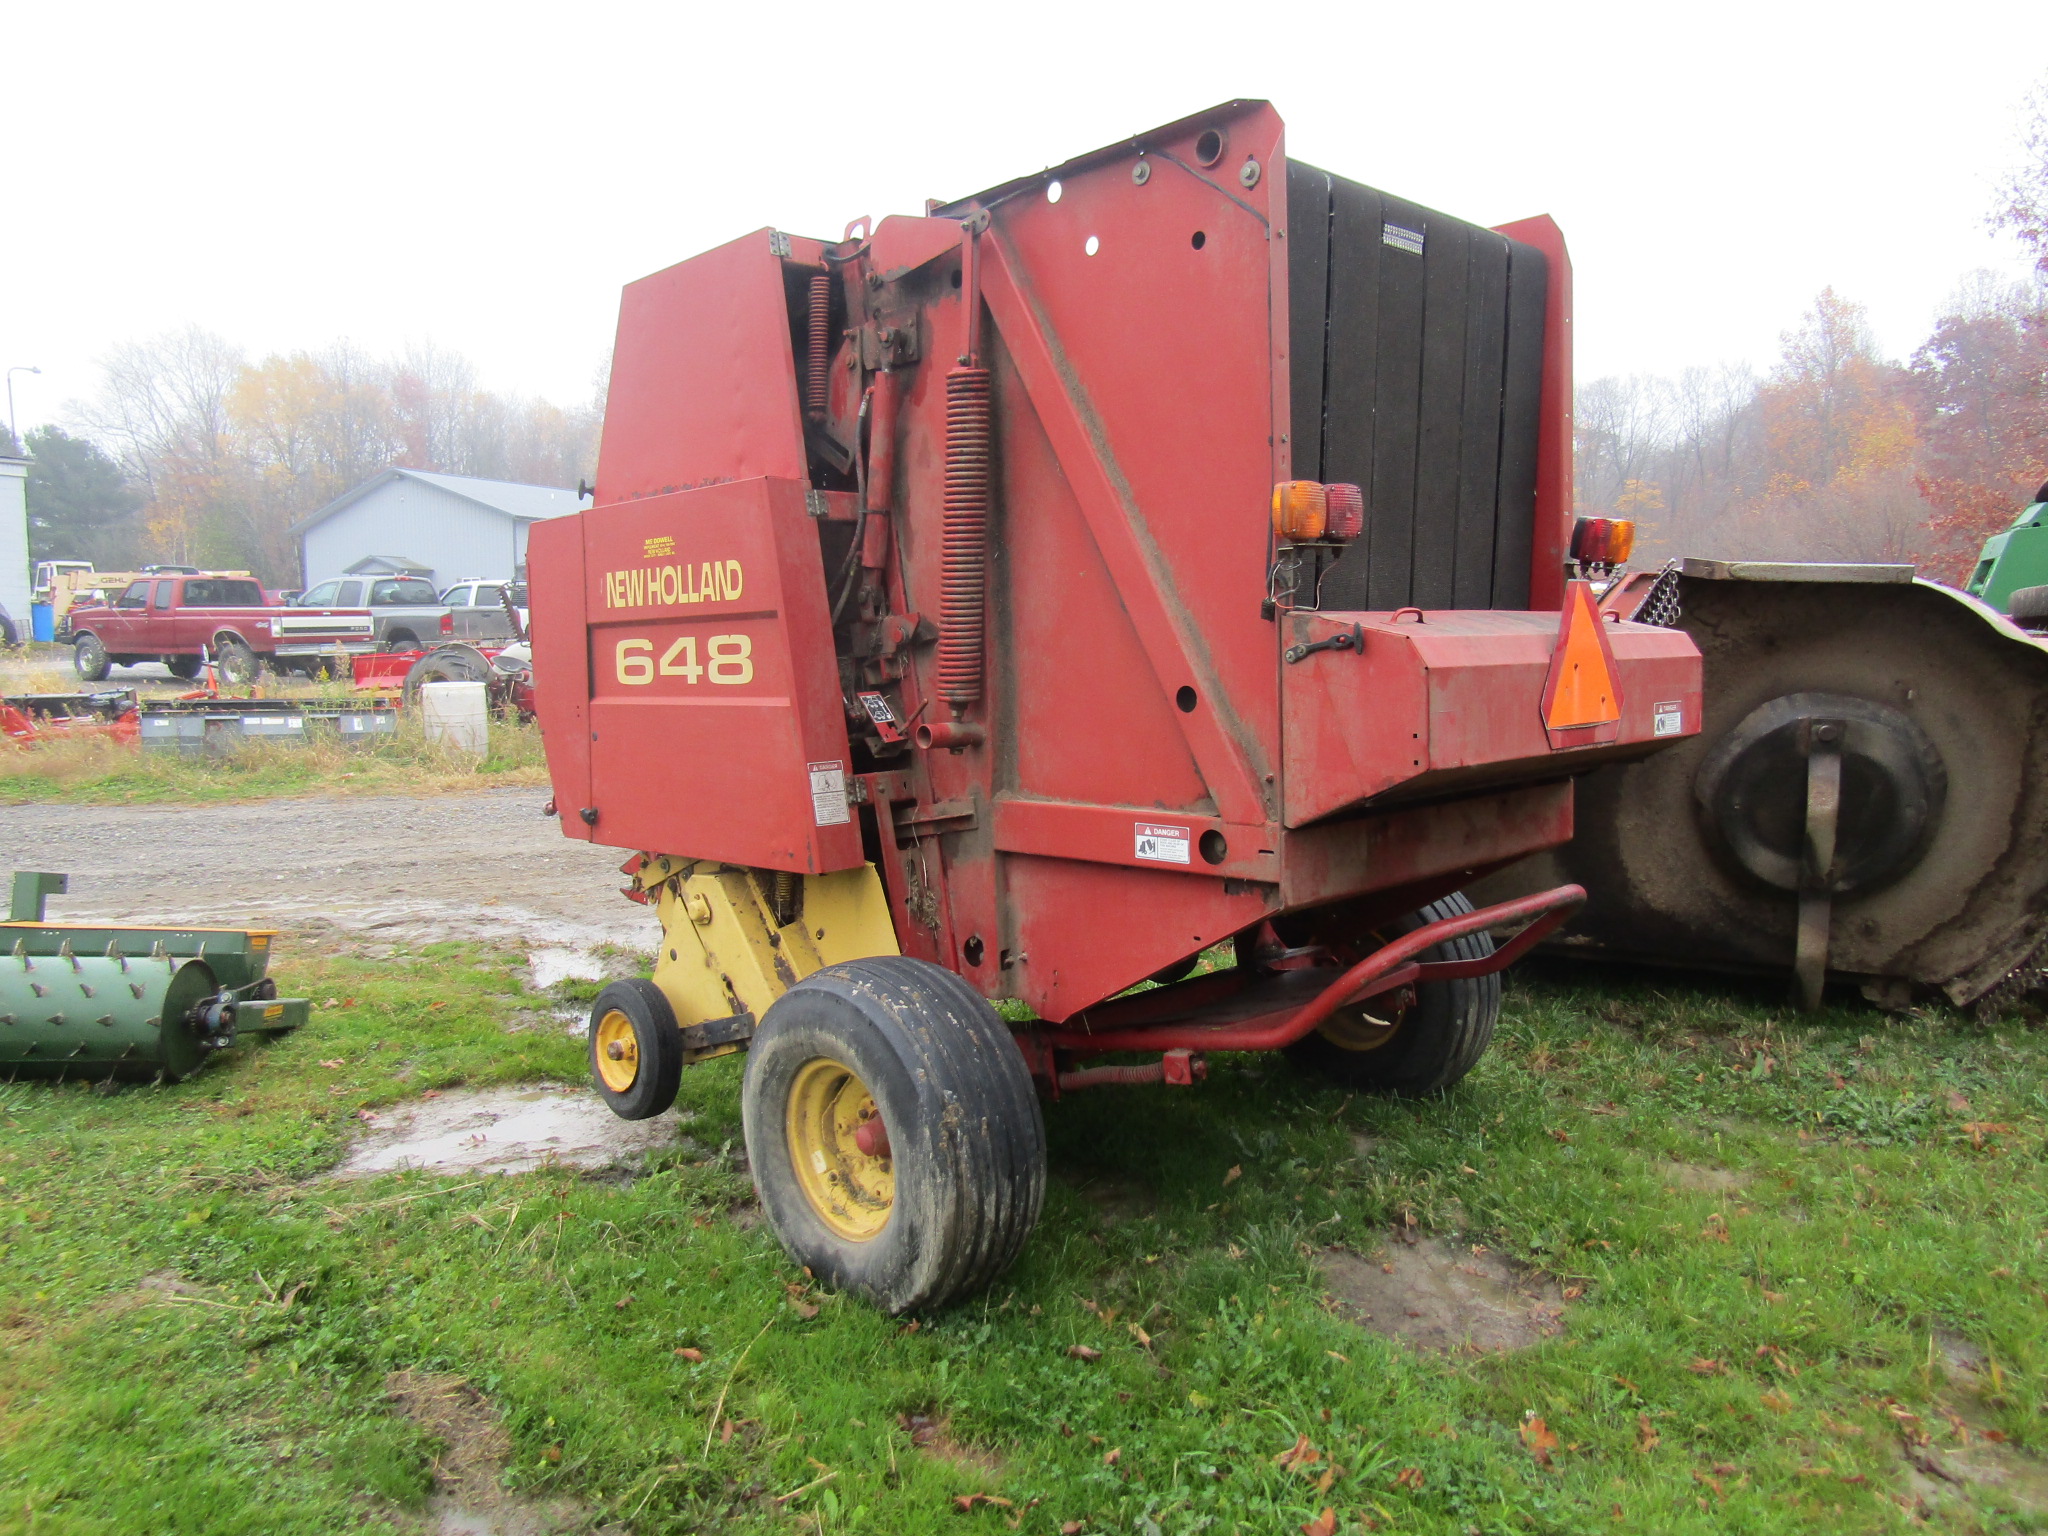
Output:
x=1298 y=1455
x=1979 y=1129
x=1537 y=1437
x=694 y=1356
x=1233 y=1176
x=1560 y=1136
x=1324 y=1524
x=1083 y=1352
x=1071 y=1528
x=333 y=1064
x=1704 y=1367
x=332 y=1002
x=803 y=1309
x=1144 y=1339
x=623 y=1302
x=1111 y=1457
x=965 y=1502
x=1340 y=1359
x=1647 y=1437
x=1776 y=1401
x=1957 y=1104
x=1409 y=1478
x=1329 y=1476
x=553 y=1453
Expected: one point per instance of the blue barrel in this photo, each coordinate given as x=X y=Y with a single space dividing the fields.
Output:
x=42 y=622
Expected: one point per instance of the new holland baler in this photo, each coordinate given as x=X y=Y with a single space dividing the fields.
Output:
x=1168 y=550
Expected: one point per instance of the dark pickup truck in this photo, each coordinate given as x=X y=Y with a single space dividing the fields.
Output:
x=179 y=620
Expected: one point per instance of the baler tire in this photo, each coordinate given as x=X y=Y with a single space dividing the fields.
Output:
x=965 y=1160
x=90 y=658
x=236 y=661
x=637 y=1006
x=1441 y=1037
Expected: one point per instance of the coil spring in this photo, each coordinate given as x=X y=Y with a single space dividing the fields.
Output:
x=817 y=386
x=785 y=898
x=964 y=548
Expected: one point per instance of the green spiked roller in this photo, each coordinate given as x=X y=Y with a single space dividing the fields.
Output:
x=128 y=1003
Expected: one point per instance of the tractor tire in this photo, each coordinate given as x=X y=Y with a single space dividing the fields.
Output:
x=941 y=1203
x=235 y=661
x=187 y=667
x=2028 y=603
x=636 y=1050
x=1434 y=1043
x=91 y=659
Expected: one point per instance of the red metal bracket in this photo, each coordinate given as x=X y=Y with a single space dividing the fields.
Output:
x=1394 y=965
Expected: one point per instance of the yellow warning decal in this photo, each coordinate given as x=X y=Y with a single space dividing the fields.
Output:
x=274 y=1011
x=1581 y=689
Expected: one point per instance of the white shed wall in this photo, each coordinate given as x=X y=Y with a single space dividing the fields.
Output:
x=14 y=541
x=417 y=522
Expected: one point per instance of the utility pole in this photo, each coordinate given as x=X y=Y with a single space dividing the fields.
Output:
x=11 y=432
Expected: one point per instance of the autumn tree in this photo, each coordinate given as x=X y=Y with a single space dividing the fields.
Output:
x=2022 y=206
x=1980 y=397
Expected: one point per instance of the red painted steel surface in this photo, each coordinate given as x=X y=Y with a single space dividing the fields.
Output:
x=703 y=383
x=1554 y=441
x=1141 y=775
x=713 y=719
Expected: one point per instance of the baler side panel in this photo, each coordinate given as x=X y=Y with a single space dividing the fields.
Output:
x=561 y=664
x=1547 y=282
x=715 y=716
x=703 y=383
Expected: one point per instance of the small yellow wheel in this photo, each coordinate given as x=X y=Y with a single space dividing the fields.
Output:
x=617 y=1051
x=839 y=1150
x=636 y=1051
x=1358 y=1029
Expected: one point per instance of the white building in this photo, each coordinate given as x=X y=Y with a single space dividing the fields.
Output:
x=14 y=544
x=444 y=526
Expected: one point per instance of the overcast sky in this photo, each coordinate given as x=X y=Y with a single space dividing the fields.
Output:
x=486 y=176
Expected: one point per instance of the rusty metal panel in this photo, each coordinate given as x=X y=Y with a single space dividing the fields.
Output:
x=703 y=382
x=715 y=724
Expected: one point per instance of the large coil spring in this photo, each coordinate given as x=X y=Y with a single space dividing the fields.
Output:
x=963 y=579
x=818 y=342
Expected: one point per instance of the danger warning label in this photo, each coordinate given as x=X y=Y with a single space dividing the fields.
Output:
x=1162 y=845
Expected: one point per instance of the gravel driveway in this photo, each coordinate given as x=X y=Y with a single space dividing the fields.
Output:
x=401 y=867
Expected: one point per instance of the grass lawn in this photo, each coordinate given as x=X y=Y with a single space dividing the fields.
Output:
x=96 y=771
x=1801 y=1265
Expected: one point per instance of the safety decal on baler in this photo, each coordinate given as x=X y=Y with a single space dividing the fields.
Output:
x=1163 y=845
x=828 y=794
x=1667 y=718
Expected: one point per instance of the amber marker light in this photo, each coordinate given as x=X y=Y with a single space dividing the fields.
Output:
x=1603 y=540
x=1300 y=511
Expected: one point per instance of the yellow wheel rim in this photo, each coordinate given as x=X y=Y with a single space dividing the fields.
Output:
x=1354 y=1029
x=852 y=1191
x=618 y=1051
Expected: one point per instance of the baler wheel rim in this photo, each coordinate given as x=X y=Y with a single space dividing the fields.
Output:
x=849 y=1190
x=618 y=1051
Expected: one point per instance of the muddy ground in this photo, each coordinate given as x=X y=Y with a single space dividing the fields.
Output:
x=399 y=868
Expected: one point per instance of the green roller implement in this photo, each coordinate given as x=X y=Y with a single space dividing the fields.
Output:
x=2015 y=560
x=128 y=1003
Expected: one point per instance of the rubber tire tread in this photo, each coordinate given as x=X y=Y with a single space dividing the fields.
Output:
x=2028 y=603
x=186 y=667
x=1455 y=1019
x=94 y=673
x=229 y=646
x=988 y=1174
x=660 y=1042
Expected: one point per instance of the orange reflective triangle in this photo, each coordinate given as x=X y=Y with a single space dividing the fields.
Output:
x=1581 y=690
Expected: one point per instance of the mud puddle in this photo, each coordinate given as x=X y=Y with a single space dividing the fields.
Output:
x=505 y=1130
x=1443 y=1298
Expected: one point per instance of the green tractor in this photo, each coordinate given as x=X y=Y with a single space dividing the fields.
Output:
x=2015 y=560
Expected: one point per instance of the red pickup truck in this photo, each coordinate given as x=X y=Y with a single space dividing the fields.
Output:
x=179 y=619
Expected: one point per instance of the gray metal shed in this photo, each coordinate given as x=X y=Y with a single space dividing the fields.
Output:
x=443 y=527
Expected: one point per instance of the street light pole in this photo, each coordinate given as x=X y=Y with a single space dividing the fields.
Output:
x=11 y=432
